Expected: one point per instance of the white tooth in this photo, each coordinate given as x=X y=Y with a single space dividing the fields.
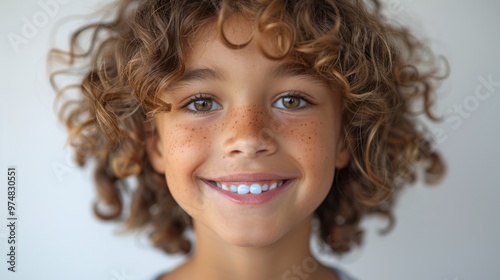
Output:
x=255 y=189
x=280 y=183
x=273 y=186
x=218 y=184
x=243 y=189
x=233 y=188
x=265 y=187
x=224 y=187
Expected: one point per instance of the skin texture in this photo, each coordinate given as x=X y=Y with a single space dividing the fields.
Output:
x=248 y=131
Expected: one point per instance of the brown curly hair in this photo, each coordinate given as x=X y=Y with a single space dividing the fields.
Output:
x=387 y=78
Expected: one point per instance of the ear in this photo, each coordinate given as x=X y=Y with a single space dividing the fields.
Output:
x=153 y=147
x=343 y=153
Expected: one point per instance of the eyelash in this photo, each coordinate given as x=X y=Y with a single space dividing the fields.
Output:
x=201 y=96
x=296 y=94
x=198 y=97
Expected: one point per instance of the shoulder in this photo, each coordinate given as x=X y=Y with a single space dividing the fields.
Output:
x=159 y=276
x=341 y=274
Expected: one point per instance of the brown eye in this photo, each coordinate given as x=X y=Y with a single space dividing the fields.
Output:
x=291 y=102
x=203 y=105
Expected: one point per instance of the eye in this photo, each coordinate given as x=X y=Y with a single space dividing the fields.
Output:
x=202 y=104
x=291 y=101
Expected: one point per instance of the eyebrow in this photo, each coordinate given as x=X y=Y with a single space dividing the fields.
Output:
x=201 y=74
x=282 y=70
x=290 y=69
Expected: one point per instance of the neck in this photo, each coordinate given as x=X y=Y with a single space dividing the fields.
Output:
x=287 y=257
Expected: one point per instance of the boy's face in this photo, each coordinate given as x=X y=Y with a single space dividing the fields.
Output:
x=253 y=122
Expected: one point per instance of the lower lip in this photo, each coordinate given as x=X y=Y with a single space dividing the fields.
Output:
x=252 y=199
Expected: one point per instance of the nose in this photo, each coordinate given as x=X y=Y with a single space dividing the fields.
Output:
x=249 y=134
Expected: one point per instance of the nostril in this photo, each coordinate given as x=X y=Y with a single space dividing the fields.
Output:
x=262 y=151
x=249 y=136
x=249 y=147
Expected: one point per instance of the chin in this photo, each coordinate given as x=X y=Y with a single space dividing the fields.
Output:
x=253 y=238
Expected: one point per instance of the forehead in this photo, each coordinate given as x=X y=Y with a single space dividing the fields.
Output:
x=239 y=32
x=207 y=48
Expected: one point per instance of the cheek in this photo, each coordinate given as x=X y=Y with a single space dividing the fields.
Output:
x=184 y=150
x=313 y=144
x=182 y=143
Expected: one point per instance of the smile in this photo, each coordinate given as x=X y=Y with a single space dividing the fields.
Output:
x=251 y=189
x=246 y=188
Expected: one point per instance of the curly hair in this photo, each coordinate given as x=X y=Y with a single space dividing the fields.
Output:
x=387 y=78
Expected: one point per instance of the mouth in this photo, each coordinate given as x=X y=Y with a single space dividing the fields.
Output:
x=244 y=188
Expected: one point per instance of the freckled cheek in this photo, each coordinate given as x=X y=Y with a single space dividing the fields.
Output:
x=312 y=144
x=186 y=147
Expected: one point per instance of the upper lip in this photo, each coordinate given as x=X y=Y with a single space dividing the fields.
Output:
x=253 y=177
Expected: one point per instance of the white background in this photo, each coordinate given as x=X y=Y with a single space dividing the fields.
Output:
x=447 y=232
